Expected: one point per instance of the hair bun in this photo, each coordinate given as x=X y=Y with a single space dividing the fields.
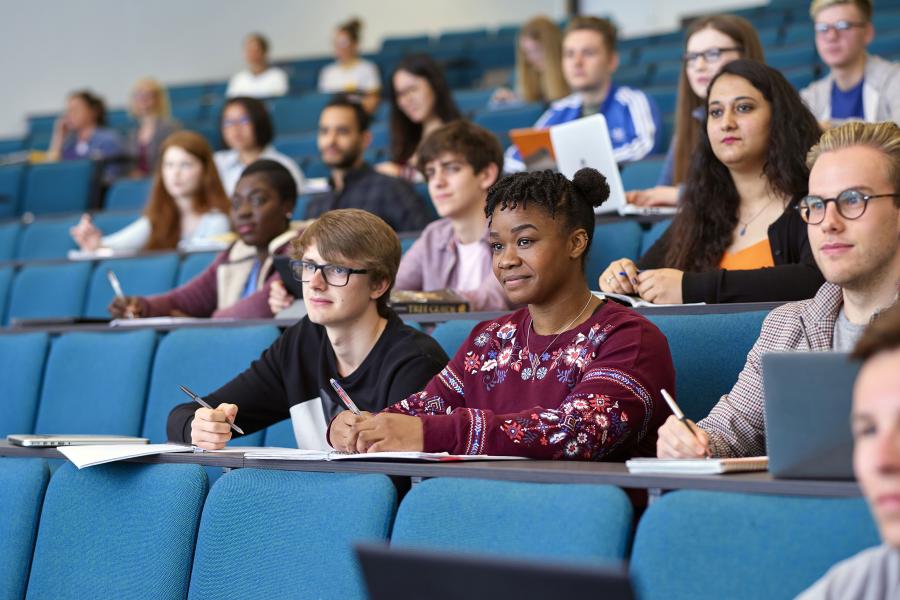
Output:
x=592 y=186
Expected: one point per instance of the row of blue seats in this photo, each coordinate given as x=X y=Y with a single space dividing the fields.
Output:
x=126 y=382
x=47 y=188
x=159 y=532
x=80 y=289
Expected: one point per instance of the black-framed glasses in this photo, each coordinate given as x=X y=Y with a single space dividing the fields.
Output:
x=838 y=26
x=710 y=55
x=336 y=275
x=850 y=204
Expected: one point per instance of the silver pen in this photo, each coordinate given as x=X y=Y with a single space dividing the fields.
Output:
x=117 y=290
x=204 y=404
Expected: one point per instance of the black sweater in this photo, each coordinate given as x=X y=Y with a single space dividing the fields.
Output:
x=298 y=365
x=795 y=275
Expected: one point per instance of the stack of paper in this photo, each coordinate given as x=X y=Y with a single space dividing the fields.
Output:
x=300 y=454
x=697 y=466
x=88 y=456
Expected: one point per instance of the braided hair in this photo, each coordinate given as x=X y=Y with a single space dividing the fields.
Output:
x=574 y=200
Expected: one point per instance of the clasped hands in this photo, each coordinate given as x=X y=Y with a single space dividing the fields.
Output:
x=384 y=432
x=660 y=286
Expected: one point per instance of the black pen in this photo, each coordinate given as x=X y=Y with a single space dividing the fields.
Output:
x=204 y=404
x=676 y=410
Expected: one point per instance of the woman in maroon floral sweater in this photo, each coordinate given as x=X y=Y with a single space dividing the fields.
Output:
x=571 y=376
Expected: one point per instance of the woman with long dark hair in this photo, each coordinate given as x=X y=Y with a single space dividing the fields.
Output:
x=736 y=237
x=420 y=103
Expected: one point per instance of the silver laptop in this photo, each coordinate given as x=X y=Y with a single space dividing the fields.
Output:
x=808 y=396
x=54 y=440
x=411 y=574
x=585 y=142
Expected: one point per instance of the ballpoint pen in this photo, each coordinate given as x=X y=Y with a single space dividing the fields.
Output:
x=117 y=290
x=345 y=398
x=204 y=404
x=676 y=410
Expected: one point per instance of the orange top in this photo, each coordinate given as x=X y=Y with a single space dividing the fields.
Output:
x=757 y=256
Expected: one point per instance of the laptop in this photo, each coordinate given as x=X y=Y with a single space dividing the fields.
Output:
x=54 y=440
x=405 y=574
x=808 y=396
x=585 y=142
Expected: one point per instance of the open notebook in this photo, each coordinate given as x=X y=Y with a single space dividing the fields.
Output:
x=301 y=454
x=697 y=466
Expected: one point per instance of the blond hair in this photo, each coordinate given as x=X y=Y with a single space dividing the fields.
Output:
x=549 y=84
x=359 y=236
x=864 y=6
x=884 y=137
x=163 y=110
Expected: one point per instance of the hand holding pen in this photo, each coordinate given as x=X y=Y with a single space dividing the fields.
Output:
x=211 y=428
x=122 y=306
x=679 y=437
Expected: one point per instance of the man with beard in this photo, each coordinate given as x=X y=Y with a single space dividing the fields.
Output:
x=343 y=139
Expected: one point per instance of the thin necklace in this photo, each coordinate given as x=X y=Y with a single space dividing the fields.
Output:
x=565 y=329
x=744 y=224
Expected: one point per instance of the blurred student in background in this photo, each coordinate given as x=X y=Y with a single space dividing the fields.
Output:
x=350 y=73
x=150 y=108
x=247 y=132
x=538 y=74
x=259 y=79
x=737 y=237
x=187 y=208
x=81 y=132
x=712 y=43
x=420 y=103
x=236 y=284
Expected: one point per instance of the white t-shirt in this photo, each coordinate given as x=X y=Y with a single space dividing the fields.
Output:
x=271 y=82
x=470 y=273
x=361 y=76
x=230 y=167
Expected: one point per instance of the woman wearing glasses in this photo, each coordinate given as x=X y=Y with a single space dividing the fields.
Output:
x=237 y=282
x=347 y=260
x=737 y=237
x=712 y=43
x=248 y=133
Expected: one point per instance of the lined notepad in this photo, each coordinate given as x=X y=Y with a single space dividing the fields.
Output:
x=697 y=466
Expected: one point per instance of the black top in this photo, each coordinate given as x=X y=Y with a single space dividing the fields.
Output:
x=795 y=275
x=392 y=199
x=298 y=365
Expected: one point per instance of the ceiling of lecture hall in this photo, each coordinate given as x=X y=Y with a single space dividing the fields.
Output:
x=107 y=44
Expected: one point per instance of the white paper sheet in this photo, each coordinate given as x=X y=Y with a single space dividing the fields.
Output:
x=88 y=456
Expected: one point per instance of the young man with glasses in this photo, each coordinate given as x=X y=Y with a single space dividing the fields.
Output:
x=347 y=261
x=589 y=62
x=853 y=221
x=859 y=86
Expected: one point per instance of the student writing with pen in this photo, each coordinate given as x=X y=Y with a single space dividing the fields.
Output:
x=347 y=260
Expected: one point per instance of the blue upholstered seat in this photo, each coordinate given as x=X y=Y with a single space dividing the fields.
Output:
x=22 y=359
x=22 y=485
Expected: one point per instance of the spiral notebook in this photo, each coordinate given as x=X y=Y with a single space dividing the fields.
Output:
x=697 y=466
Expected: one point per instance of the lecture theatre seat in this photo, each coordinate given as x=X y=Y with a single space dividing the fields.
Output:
x=283 y=534
x=709 y=351
x=11 y=178
x=192 y=265
x=58 y=187
x=23 y=482
x=298 y=114
x=6 y=278
x=111 y=221
x=203 y=360
x=451 y=334
x=499 y=122
x=649 y=237
x=95 y=383
x=48 y=291
x=516 y=518
x=46 y=239
x=119 y=530
x=642 y=174
x=611 y=241
x=143 y=276
x=9 y=236
x=22 y=357
x=693 y=544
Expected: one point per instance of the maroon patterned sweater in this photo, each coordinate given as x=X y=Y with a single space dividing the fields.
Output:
x=593 y=394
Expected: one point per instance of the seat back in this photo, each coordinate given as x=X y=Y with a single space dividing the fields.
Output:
x=649 y=237
x=451 y=334
x=6 y=279
x=11 y=177
x=48 y=291
x=9 y=236
x=143 y=276
x=701 y=376
x=58 y=187
x=203 y=360
x=744 y=545
x=282 y=529
x=192 y=265
x=119 y=530
x=23 y=482
x=46 y=238
x=482 y=516
x=128 y=194
x=611 y=241
x=22 y=359
x=96 y=383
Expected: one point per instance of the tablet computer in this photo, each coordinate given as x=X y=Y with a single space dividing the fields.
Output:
x=283 y=266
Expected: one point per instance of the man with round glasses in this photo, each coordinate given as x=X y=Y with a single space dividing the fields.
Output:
x=859 y=86
x=853 y=222
x=346 y=260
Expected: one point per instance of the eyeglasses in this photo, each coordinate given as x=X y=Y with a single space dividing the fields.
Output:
x=336 y=275
x=233 y=122
x=710 y=55
x=851 y=204
x=838 y=26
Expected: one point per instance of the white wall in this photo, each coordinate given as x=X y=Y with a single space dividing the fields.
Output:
x=50 y=47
